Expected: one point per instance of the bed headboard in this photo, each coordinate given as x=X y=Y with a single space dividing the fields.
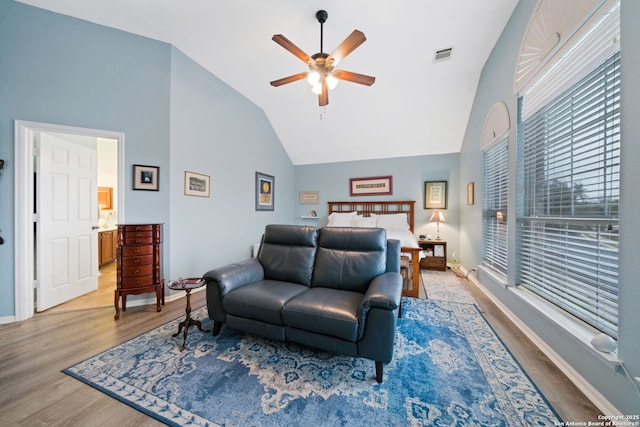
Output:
x=376 y=207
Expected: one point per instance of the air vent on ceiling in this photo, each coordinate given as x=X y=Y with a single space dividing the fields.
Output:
x=442 y=54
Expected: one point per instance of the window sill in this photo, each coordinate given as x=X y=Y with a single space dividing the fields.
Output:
x=579 y=331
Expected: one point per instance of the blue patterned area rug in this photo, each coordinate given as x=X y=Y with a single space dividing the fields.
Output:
x=449 y=369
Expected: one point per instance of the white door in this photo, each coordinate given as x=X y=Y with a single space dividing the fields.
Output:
x=67 y=236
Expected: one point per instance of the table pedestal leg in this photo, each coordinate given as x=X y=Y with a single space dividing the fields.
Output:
x=188 y=322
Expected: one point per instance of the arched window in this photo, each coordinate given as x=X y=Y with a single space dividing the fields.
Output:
x=495 y=188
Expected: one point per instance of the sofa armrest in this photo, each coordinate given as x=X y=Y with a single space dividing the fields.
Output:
x=378 y=311
x=385 y=291
x=232 y=276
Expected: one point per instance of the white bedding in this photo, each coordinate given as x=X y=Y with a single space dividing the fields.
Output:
x=396 y=226
x=406 y=237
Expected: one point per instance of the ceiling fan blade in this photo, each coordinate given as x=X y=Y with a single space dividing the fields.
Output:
x=323 y=98
x=355 y=39
x=289 y=79
x=354 y=77
x=287 y=44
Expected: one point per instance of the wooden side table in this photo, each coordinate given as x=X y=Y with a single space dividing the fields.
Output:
x=187 y=285
x=437 y=255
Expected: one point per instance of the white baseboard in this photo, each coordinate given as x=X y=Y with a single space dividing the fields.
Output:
x=7 y=319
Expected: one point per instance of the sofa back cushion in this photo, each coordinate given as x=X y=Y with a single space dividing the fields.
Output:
x=349 y=258
x=287 y=253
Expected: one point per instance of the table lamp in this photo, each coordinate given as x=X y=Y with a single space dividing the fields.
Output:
x=437 y=217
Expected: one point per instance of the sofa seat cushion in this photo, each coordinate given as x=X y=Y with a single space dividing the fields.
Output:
x=261 y=300
x=325 y=311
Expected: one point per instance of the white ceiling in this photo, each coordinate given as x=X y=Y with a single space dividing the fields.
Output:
x=415 y=107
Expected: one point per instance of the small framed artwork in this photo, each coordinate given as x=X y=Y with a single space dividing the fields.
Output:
x=371 y=186
x=470 y=194
x=435 y=195
x=309 y=198
x=146 y=177
x=265 y=192
x=197 y=184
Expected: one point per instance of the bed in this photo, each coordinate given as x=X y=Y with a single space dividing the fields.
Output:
x=392 y=216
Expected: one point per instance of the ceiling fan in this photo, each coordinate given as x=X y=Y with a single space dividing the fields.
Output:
x=322 y=74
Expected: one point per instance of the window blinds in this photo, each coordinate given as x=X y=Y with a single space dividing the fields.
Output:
x=494 y=206
x=569 y=232
x=588 y=48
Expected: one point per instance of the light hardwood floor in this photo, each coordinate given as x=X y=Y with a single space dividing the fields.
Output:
x=103 y=297
x=34 y=391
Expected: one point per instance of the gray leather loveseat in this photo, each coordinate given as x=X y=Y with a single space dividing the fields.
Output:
x=335 y=289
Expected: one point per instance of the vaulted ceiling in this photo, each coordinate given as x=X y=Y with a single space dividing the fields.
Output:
x=416 y=106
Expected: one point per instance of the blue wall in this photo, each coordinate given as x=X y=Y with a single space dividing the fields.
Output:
x=216 y=132
x=61 y=70
x=496 y=84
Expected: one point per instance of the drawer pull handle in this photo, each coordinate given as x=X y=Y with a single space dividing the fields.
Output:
x=137 y=282
x=137 y=261
x=137 y=240
x=137 y=234
x=137 y=228
x=136 y=272
x=137 y=251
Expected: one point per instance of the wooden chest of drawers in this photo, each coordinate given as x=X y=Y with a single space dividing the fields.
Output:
x=139 y=259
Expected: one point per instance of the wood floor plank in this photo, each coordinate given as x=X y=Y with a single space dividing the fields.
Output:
x=34 y=352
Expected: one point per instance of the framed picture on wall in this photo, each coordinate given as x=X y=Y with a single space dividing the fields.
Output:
x=146 y=177
x=435 y=195
x=371 y=186
x=470 y=194
x=265 y=192
x=197 y=184
x=309 y=198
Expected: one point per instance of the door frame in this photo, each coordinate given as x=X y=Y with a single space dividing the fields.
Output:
x=24 y=203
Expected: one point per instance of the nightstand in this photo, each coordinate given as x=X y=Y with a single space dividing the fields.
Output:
x=436 y=251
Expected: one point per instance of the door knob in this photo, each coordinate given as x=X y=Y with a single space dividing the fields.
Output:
x=95 y=227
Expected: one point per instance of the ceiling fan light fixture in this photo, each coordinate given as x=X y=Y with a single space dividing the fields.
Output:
x=313 y=78
x=321 y=75
x=332 y=82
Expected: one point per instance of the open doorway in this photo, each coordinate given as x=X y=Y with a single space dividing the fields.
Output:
x=31 y=212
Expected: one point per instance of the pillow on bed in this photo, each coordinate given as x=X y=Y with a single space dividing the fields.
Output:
x=364 y=221
x=392 y=221
x=340 y=219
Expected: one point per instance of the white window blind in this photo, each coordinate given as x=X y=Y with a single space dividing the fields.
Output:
x=494 y=206
x=569 y=233
x=597 y=40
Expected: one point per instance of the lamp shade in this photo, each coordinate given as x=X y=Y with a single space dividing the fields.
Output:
x=437 y=216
